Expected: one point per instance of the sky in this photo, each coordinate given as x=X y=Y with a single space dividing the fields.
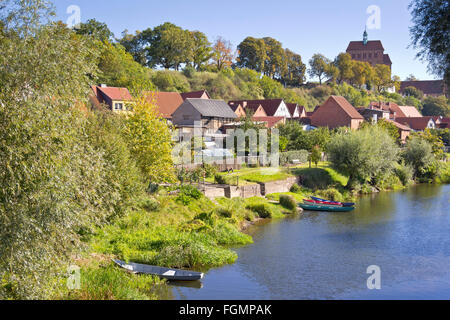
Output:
x=304 y=26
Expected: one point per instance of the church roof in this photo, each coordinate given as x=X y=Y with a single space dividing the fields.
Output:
x=371 y=45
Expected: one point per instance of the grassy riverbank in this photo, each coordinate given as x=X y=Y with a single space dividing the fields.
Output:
x=161 y=230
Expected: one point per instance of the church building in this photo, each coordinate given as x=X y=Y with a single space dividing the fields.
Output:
x=369 y=51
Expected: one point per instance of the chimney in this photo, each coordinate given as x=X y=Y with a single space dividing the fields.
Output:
x=103 y=85
x=244 y=104
x=374 y=118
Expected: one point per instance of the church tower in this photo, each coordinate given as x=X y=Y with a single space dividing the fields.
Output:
x=365 y=37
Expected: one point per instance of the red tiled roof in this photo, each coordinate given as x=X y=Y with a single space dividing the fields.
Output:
x=271 y=121
x=419 y=123
x=291 y=107
x=436 y=87
x=399 y=125
x=445 y=120
x=410 y=111
x=113 y=93
x=167 y=102
x=195 y=95
x=348 y=108
x=371 y=45
x=270 y=105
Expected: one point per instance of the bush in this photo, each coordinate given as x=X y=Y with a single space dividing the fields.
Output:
x=289 y=156
x=263 y=210
x=331 y=194
x=187 y=194
x=295 y=188
x=405 y=173
x=149 y=205
x=288 y=202
x=220 y=179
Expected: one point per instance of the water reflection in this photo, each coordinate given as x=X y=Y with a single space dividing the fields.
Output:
x=325 y=255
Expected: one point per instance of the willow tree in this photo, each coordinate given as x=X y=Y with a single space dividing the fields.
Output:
x=363 y=155
x=53 y=181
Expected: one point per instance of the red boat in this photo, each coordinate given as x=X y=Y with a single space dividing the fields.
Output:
x=329 y=203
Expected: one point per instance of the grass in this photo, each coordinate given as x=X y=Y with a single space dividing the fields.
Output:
x=255 y=175
x=164 y=231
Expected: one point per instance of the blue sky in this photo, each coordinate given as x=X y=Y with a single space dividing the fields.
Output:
x=304 y=26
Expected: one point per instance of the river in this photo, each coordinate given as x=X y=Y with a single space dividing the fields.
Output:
x=326 y=255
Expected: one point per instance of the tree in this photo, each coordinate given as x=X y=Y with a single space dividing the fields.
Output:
x=134 y=44
x=319 y=66
x=201 y=49
x=363 y=154
x=252 y=54
x=413 y=92
x=222 y=54
x=411 y=77
x=382 y=78
x=273 y=66
x=119 y=69
x=169 y=46
x=418 y=153
x=344 y=63
x=436 y=106
x=95 y=29
x=389 y=127
x=294 y=71
x=53 y=179
x=316 y=155
x=430 y=32
x=362 y=73
x=150 y=141
x=437 y=145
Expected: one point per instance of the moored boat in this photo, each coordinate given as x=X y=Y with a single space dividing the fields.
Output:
x=345 y=204
x=324 y=207
x=166 y=273
x=323 y=202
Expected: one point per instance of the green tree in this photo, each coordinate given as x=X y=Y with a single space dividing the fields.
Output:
x=436 y=106
x=413 y=92
x=150 y=141
x=430 y=32
x=294 y=70
x=169 y=46
x=95 y=29
x=252 y=54
x=382 y=78
x=119 y=69
x=363 y=154
x=201 y=50
x=319 y=66
x=316 y=155
x=273 y=66
x=344 y=63
x=134 y=44
x=418 y=153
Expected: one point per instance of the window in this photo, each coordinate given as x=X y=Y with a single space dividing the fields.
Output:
x=118 y=106
x=186 y=117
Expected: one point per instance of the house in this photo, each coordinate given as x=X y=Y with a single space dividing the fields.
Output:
x=202 y=94
x=434 y=88
x=296 y=111
x=369 y=51
x=373 y=114
x=256 y=109
x=270 y=122
x=418 y=124
x=445 y=123
x=212 y=115
x=240 y=112
x=397 y=111
x=272 y=107
x=403 y=130
x=167 y=102
x=115 y=98
x=336 y=112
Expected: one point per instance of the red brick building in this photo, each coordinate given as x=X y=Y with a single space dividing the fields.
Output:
x=369 y=51
x=336 y=112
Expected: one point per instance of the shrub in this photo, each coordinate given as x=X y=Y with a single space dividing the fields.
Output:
x=149 y=205
x=263 y=210
x=288 y=202
x=220 y=179
x=289 y=156
x=295 y=188
x=187 y=194
x=405 y=173
x=331 y=194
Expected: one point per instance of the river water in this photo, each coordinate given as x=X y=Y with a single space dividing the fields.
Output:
x=326 y=255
